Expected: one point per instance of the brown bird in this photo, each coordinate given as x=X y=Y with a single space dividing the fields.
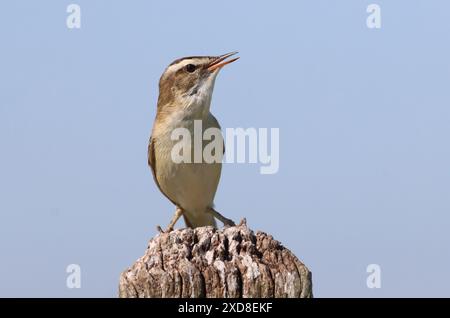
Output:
x=185 y=92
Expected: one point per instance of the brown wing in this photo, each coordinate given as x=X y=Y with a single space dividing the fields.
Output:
x=151 y=156
x=152 y=164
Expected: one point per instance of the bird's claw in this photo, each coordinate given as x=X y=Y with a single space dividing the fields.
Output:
x=229 y=222
x=168 y=230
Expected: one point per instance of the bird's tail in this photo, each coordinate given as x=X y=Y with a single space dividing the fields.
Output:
x=194 y=220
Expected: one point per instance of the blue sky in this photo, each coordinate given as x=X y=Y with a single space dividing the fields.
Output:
x=364 y=137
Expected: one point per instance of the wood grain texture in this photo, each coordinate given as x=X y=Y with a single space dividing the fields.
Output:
x=206 y=262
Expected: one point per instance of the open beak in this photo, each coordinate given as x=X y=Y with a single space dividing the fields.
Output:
x=221 y=61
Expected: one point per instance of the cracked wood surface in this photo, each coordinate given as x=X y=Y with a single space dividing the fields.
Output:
x=206 y=262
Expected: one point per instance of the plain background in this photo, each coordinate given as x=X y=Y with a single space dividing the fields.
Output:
x=364 y=137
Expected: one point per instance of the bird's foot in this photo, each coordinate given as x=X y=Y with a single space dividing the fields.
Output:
x=169 y=229
x=228 y=222
x=160 y=230
x=177 y=215
x=224 y=220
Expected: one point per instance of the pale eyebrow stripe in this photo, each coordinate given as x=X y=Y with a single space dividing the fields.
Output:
x=182 y=62
x=175 y=67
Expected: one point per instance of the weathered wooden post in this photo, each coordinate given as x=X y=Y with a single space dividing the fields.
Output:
x=207 y=262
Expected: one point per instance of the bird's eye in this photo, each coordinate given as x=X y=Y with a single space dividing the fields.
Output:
x=190 y=68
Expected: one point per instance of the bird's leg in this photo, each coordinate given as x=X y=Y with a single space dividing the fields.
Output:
x=176 y=216
x=220 y=217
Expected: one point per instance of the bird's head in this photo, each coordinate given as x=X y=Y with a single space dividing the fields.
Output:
x=189 y=82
